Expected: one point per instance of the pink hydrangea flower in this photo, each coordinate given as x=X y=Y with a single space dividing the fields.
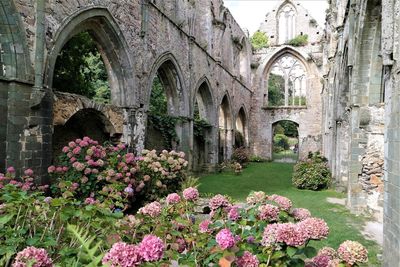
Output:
x=315 y=228
x=190 y=194
x=203 y=226
x=218 y=201
x=247 y=260
x=153 y=209
x=287 y=233
x=283 y=202
x=173 y=198
x=123 y=255
x=352 y=252
x=321 y=261
x=76 y=150
x=31 y=254
x=268 y=212
x=65 y=149
x=28 y=172
x=300 y=214
x=51 y=169
x=11 y=169
x=328 y=251
x=151 y=248
x=234 y=213
x=255 y=197
x=225 y=239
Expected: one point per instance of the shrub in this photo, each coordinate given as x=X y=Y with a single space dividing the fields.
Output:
x=281 y=142
x=240 y=155
x=312 y=174
x=255 y=158
x=88 y=171
x=299 y=40
x=67 y=232
x=259 y=40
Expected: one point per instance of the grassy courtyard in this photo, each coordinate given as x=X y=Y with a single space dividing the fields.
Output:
x=275 y=178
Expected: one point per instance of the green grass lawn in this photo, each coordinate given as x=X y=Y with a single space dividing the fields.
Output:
x=275 y=178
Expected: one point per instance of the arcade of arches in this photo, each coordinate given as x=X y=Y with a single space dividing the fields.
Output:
x=186 y=68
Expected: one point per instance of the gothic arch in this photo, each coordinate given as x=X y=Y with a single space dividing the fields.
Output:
x=100 y=24
x=267 y=67
x=241 y=125
x=205 y=146
x=290 y=11
x=225 y=124
x=171 y=77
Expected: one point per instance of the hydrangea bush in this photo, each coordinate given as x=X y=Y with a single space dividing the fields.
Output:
x=109 y=174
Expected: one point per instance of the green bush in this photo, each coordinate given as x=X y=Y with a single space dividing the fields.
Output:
x=255 y=158
x=281 y=142
x=259 y=40
x=312 y=174
x=299 y=40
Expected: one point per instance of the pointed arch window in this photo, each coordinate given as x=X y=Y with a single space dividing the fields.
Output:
x=287 y=81
x=286 y=23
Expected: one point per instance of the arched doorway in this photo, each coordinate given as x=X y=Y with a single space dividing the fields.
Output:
x=225 y=130
x=89 y=59
x=204 y=130
x=241 y=134
x=285 y=141
x=167 y=108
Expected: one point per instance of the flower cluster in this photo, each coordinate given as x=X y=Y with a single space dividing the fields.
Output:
x=234 y=213
x=152 y=209
x=123 y=255
x=225 y=239
x=109 y=173
x=25 y=183
x=38 y=257
x=268 y=212
x=218 y=201
x=204 y=226
x=300 y=214
x=283 y=202
x=315 y=228
x=190 y=194
x=247 y=260
x=173 y=198
x=127 y=255
x=256 y=197
x=352 y=252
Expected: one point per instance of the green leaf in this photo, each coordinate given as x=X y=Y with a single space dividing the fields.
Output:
x=310 y=252
x=291 y=251
x=5 y=219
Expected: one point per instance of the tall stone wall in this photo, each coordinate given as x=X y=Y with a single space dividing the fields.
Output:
x=199 y=40
x=353 y=102
x=391 y=59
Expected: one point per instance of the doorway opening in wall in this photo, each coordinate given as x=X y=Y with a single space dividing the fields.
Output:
x=161 y=132
x=80 y=69
x=285 y=145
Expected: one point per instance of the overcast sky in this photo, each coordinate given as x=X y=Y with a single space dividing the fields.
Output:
x=251 y=13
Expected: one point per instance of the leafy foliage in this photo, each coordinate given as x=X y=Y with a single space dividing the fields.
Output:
x=276 y=94
x=80 y=69
x=281 y=142
x=240 y=155
x=90 y=253
x=313 y=174
x=299 y=40
x=259 y=40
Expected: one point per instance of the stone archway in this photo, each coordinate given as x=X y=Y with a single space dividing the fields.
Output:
x=225 y=130
x=241 y=133
x=99 y=23
x=167 y=72
x=204 y=128
x=285 y=141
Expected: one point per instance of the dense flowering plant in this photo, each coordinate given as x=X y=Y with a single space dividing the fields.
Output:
x=31 y=256
x=110 y=175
